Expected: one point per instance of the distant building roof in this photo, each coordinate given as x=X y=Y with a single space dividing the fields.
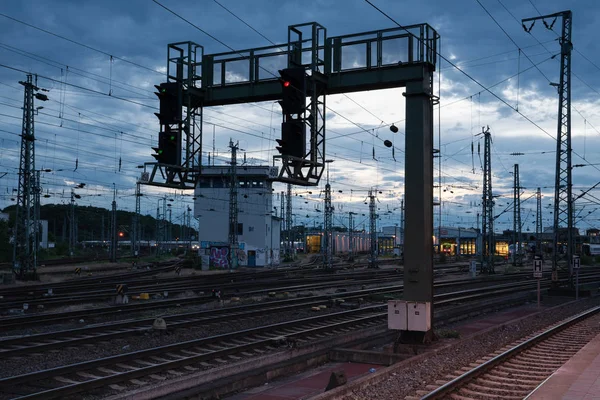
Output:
x=252 y=170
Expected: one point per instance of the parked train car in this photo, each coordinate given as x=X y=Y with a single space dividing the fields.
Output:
x=590 y=249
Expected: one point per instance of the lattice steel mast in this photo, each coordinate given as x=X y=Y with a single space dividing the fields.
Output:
x=327 y=225
x=136 y=237
x=563 y=199
x=487 y=224
x=373 y=230
x=25 y=240
x=516 y=217
x=350 y=236
x=402 y=224
x=288 y=222
x=113 y=228
x=233 y=207
x=538 y=223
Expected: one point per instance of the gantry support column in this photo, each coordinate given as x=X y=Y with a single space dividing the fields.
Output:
x=418 y=240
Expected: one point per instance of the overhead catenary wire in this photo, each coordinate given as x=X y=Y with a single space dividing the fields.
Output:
x=81 y=44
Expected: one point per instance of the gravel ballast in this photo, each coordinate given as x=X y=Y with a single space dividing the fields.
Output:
x=404 y=380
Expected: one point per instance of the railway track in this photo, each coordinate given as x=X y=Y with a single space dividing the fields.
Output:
x=228 y=283
x=97 y=284
x=106 y=285
x=516 y=370
x=23 y=345
x=155 y=364
x=185 y=357
x=34 y=319
x=237 y=288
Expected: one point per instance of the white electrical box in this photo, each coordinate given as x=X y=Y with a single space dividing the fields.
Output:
x=419 y=316
x=409 y=315
x=397 y=318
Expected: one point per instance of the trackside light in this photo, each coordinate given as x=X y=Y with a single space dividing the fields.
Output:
x=286 y=83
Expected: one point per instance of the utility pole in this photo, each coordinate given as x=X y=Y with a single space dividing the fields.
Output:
x=288 y=222
x=169 y=225
x=487 y=225
x=350 y=236
x=563 y=198
x=189 y=229
x=158 y=227
x=37 y=189
x=327 y=224
x=233 y=207
x=72 y=240
x=135 y=238
x=538 y=223
x=373 y=230
x=437 y=154
x=282 y=223
x=516 y=217
x=24 y=245
x=402 y=223
x=113 y=227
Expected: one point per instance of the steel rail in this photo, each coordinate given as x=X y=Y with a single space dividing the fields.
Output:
x=460 y=381
x=218 y=346
x=72 y=337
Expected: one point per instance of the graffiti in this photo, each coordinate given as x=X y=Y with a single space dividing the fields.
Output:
x=219 y=257
x=241 y=256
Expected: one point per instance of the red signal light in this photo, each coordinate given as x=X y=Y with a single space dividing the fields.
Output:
x=286 y=83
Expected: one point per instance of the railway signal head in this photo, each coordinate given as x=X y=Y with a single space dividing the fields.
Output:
x=169 y=146
x=293 y=139
x=293 y=90
x=169 y=95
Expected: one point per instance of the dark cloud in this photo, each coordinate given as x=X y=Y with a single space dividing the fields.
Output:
x=97 y=131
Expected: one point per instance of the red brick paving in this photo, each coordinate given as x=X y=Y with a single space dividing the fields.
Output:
x=305 y=385
x=313 y=382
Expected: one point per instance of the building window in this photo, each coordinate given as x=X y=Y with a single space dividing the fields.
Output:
x=250 y=229
x=204 y=183
x=240 y=229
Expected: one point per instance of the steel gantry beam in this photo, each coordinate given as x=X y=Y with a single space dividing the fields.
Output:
x=563 y=198
x=332 y=66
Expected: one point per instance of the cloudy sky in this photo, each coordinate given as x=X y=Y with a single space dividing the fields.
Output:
x=100 y=59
